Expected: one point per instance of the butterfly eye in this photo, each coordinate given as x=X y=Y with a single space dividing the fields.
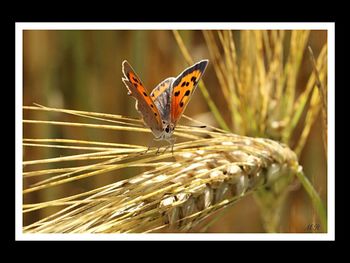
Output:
x=167 y=129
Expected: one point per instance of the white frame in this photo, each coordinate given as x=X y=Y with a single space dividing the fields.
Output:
x=330 y=27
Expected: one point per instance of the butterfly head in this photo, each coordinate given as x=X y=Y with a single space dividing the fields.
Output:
x=168 y=130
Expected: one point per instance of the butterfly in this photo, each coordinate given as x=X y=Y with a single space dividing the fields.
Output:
x=164 y=106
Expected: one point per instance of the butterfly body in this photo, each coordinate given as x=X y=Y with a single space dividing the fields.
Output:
x=164 y=106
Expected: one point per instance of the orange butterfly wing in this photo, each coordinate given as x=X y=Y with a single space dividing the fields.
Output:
x=184 y=87
x=144 y=104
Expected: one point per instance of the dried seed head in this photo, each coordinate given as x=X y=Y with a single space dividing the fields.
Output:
x=181 y=194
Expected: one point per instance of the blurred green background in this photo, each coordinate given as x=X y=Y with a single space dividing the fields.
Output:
x=81 y=70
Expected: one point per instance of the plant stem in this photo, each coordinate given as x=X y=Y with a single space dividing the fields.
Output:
x=315 y=198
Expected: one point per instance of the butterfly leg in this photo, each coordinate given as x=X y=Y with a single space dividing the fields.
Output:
x=172 y=145
x=157 y=152
x=149 y=146
x=171 y=142
x=157 y=139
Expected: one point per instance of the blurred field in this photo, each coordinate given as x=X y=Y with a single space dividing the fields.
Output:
x=81 y=70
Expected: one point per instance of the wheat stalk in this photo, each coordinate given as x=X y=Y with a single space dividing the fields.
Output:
x=204 y=175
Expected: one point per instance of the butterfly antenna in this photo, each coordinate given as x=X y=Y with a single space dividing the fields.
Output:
x=197 y=126
x=204 y=126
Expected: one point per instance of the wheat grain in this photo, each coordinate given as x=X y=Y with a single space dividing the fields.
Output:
x=210 y=175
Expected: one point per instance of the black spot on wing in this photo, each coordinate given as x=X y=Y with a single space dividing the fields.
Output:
x=187 y=83
x=187 y=92
x=152 y=106
x=181 y=104
x=135 y=79
x=155 y=114
x=198 y=66
x=145 y=94
x=183 y=84
x=177 y=93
